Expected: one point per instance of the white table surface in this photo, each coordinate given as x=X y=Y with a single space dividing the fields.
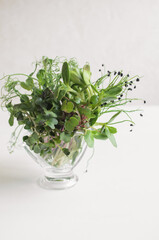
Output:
x=117 y=199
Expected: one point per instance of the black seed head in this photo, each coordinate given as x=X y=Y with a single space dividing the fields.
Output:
x=137 y=79
x=118 y=73
x=126 y=82
x=119 y=98
x=126 y=85
x=130 y=101
x=134 y=86
x=121 y=74
x=130 y=89
x=115 y=73
x=141 y=115
x=130 y=84
x=99 y=70
x=144 y=101
x=102 y=65
x=112 y=101
x=130 y=130
x=121 y=95
x=127 y=75
x=131 y=125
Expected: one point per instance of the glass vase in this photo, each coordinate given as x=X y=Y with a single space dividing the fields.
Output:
x=57 y=167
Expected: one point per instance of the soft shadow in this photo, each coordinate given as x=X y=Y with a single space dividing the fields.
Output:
x=16 y=175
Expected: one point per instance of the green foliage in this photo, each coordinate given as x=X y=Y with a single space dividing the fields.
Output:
x=89 y=138
x=66 y=137
x=51 y=122
x=11 y=120
x=57 y=100
x=110 y=136
x=67 y=106
x=71 y=123
x=65 y=73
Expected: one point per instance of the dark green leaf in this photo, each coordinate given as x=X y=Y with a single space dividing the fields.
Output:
x=66 y=151
x=24 y=98
x=65 y=73
x=38 y=101
x=25 y=138
x=11 y=120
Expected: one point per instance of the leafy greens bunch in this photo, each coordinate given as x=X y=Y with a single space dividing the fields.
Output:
x=58 y=99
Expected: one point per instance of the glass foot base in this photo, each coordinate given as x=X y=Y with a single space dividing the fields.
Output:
x=57 y=183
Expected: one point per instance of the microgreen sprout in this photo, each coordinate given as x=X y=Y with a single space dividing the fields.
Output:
x=58 y=99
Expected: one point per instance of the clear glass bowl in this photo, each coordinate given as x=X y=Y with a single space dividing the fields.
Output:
x=57 y=167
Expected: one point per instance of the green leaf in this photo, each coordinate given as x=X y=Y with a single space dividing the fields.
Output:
x=113 y=91
x=67 y=106
x=86 y=111
x=51 y=122
x=111 y=137
x=77 y=100
x=100 y=136
x=11 y=120
x=66 y=151
x=30 y=82
x=112 y=129
x=38 y=101
x=75 y=76
x=113 y=117
x=32 y=139
x=71 y=123
x=19 y=116
x=86 y=74
x=50 y=114
x=37 y=149
x=94 y=99
x=65 y=73
x=24 y=98
x=65 y=137
x=25 y=86
x=89 y=138
x=100 y=80
x=35 y=136
x=93 y=120
x=25 y=138
x=41 y=76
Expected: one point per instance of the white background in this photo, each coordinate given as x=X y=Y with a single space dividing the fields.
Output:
x=122 y=34
x=118 y=197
